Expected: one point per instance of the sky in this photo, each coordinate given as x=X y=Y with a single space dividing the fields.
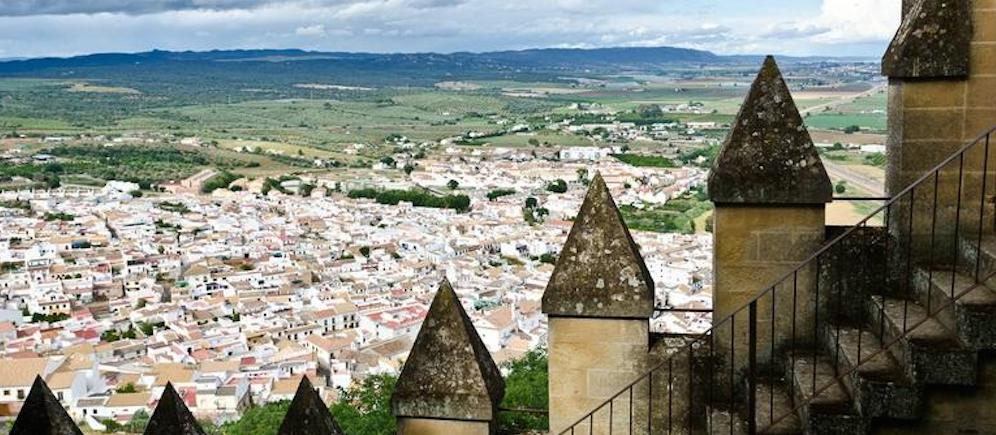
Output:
x=37 y=28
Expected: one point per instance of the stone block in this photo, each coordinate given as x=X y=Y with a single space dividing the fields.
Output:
x=932 y=124
x=933 y=94
x=422 y=426
x=983 y=59
x=788 y=246
x=590 y=360
x=979 y=121
x=984 y=4
x=982 y=91
x=772 y=241
x=923 y=155
x=985 y=25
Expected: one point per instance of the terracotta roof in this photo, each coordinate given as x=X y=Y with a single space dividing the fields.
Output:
x=128 y=399
x=60 y=380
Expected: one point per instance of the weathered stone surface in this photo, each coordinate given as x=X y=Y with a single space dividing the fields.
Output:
x=42 y=414
x=769 y=157
x=449 y=373
x=932 y=42
x=172 y=417
x=600 y=272
x=308 y=414
x=423 y=426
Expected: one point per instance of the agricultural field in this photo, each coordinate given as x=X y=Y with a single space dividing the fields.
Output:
x=267 y=125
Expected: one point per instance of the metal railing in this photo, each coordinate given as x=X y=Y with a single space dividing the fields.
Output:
x=743 y=375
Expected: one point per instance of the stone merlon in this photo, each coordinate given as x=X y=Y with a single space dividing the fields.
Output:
x=600 y=272
x=449 y=373
x=308 y=414
x=42 y=414
x=172 y=417
x=769 y=157
x=933 y=40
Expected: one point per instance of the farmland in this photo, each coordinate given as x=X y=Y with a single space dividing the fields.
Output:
x=255 y=123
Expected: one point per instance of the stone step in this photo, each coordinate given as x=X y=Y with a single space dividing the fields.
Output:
x=972 y=250
x=972 y=315
x=725 y=421
x=829 y=408
x=927 y=350
x=878 y=386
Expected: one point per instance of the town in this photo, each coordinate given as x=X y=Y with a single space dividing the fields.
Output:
x=232 y=296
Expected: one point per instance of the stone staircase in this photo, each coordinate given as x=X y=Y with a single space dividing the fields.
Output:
x=904 y=352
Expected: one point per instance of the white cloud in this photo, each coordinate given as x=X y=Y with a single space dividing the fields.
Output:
x=844 y=21
x=313 y=30
x=724 y=26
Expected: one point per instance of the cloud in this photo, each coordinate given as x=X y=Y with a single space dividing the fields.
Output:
x=794 y=30
x=66 y=27
x=313 y=30
x=845 y=21
x=16 y=8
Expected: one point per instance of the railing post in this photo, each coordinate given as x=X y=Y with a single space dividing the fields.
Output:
x=752 y=370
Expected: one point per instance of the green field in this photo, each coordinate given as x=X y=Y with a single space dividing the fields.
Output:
x=270 y=128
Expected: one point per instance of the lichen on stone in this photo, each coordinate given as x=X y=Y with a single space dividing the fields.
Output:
x=172 y=417
x=600 y=272
x=449 y=373
x=768 y=156
x=42 y=414
x=933 y=41
x=308 y=414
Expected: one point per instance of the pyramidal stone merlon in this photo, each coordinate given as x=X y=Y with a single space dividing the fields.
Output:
x=42 y=414
x=172 y=417
x=449 y=373
x=308 y=414
x=769 y=157
x=600 y=272
x=933 y=41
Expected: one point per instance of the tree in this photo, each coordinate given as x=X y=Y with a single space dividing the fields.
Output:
x=525 y=388
x=111 y=425
x=147 y=328
x=558 y=186
x=262 y=420
x=387 y=161
x=533 y=141
x=498 y=193
x=548 y=258
x=453 y=184
x=366 y=408
x=365 y=251
x=582 y=175
x=531 y=202
x=852 y=129
x=138 y=422
x=127 y=388
x=306 y=189
x=409 y=169
x=841 y=187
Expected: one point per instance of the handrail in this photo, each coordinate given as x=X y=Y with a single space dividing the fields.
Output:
x=809 y=261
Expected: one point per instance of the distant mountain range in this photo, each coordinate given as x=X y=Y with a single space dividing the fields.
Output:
x=228 y=69
x=532 y=58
